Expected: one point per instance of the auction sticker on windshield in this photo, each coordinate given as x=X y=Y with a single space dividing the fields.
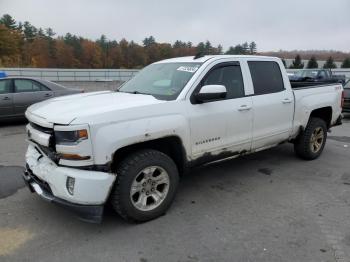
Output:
x=190 y=69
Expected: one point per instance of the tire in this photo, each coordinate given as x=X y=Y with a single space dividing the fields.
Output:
x=132 y=184
x=305 y=146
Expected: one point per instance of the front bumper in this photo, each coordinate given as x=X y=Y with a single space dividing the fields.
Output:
x=87 y=213
x=48 y=180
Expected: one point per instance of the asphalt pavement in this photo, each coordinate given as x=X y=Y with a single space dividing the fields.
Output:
x=270 y=206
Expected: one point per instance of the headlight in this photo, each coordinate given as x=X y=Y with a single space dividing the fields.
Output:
x=70 y=137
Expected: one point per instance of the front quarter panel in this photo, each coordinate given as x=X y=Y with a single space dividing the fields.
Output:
x=111 y=137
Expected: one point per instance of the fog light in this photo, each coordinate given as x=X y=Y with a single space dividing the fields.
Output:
x=70 y=185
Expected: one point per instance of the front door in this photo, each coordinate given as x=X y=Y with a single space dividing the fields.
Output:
x=223 y=126
x=6 y=98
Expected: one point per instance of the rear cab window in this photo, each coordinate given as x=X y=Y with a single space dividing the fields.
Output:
x=267 y=77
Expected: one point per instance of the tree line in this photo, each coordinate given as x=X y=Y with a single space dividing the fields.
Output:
x=312 y=63
x=24 y=45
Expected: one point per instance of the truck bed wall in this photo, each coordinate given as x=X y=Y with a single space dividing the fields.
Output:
x=309 y=99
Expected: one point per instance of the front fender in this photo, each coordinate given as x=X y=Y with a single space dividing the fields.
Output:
x=114 y=136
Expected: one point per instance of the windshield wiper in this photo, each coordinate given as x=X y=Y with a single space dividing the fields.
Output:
x=133 y=92
x=138 y=93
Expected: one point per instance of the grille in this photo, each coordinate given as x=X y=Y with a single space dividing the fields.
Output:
x=41 y=128
x=49 y=151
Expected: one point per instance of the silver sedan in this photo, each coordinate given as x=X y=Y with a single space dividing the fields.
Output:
x=18 y=93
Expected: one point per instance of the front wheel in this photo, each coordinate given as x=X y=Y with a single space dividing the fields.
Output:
x=145 y=186
x=309 y=145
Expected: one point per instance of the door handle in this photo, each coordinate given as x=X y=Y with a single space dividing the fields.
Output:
x=6 y=98
x=286 y=101
x=244 y=108
x=48 y=95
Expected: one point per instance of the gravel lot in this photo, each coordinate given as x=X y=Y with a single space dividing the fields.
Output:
x=270 y=206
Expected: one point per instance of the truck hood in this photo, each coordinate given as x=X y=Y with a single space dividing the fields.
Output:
x=63 y=110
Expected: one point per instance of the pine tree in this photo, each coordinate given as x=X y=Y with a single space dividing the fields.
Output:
x=29 y=31
x=8 y=21
x=208 y=48
x=200 y=48
x=346 y=63
x=40 y=32
x=219 y=50
x=297 y=64
x=252 y=48
x=245 y=47
x=312 y=63
x=49 y=32
x=330 y=63
x=148 y=41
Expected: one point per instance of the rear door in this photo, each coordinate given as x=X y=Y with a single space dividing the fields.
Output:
x=28 y=92
x=6 y=98
x=273 y=104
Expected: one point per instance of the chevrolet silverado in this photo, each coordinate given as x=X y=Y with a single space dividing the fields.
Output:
x=128 y=147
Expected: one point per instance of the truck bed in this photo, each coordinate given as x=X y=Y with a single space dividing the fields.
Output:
x=308 y=98
x=311 y=84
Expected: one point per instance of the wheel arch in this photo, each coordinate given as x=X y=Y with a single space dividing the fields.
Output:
x=169 y=145
x=324 y=113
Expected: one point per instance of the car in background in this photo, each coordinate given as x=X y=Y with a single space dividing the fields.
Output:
x=317 y=75
x=346 y=105
x=18 y=93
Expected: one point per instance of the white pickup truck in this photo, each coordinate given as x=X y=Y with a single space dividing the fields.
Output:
x=128 y=147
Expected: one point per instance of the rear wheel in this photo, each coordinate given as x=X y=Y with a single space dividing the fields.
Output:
x=145 y=186
x=309 y=145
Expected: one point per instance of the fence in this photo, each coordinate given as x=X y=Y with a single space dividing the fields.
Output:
x=81 y=75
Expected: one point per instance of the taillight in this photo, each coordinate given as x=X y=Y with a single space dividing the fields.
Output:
x=342 y=99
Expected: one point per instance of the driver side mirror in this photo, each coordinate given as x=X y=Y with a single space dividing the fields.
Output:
x=209 y=93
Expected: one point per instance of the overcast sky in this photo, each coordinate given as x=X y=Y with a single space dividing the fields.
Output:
x=273 y=24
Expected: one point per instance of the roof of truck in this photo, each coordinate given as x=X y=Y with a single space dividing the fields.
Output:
x=202 y=59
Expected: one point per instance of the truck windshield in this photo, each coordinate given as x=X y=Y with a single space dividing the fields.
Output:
x=164 y=81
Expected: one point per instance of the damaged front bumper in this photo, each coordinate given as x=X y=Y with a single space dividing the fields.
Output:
x=87 y=213
x=49 y=181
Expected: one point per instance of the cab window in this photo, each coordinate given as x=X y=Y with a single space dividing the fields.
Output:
x=229 y=76
x=266 y=76
x=5 y=86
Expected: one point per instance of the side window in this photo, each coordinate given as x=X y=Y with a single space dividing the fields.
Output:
x=26 y=85
x=266 y=76
x=322 y=75
x=5 y=86
x=40 y=86
x=228 y=76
